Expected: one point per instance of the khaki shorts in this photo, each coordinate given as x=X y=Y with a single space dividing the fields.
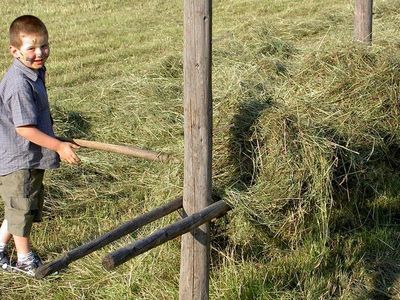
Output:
x=22 y=193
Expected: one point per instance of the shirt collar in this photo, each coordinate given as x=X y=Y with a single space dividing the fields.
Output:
x=31 y=74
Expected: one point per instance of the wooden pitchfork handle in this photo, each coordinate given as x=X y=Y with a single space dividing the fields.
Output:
x=122 y=149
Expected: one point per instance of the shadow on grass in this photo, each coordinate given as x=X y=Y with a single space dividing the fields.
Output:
x=71 y=124
x=385 y=280
x=242 y=154
x=243 y=145
x=367 y=215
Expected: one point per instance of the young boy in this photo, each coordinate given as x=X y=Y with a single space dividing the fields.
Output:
x=27 y=142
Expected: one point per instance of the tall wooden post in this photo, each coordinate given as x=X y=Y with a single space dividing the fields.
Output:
x=363 y=21
x=195 y=247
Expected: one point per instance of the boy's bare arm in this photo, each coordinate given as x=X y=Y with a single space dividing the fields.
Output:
x=36 y=136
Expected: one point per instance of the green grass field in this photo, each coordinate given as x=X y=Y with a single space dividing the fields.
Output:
x=306 y=147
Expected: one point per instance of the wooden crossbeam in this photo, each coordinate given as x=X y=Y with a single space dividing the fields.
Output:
x=108 y=237
x=165 y=234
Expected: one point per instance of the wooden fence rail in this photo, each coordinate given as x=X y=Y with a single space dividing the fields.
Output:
x=165 y=234
x=108 y=237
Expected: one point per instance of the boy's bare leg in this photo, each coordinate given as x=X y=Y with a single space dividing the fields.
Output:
x=5 y=236
x=22 y=244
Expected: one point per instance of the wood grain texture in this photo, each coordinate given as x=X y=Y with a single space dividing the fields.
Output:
x=363 y=21
x=195 y=248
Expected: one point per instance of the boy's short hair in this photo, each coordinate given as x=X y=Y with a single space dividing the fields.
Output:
x=26 y=24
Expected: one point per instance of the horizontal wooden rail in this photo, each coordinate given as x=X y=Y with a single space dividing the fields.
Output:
x=108 y=237
x=121 y=149
x=165 y=234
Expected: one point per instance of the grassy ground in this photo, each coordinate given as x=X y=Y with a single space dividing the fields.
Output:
x=306 y=147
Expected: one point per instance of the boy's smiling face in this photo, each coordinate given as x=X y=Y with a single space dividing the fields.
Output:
x=33 y=52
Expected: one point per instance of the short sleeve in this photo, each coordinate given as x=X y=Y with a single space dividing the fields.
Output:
x=23 y=107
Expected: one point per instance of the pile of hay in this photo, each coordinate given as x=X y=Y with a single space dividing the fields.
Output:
x=321 y=155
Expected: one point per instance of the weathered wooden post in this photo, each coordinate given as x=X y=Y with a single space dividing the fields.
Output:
x=195 y=247
x=363 y=21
